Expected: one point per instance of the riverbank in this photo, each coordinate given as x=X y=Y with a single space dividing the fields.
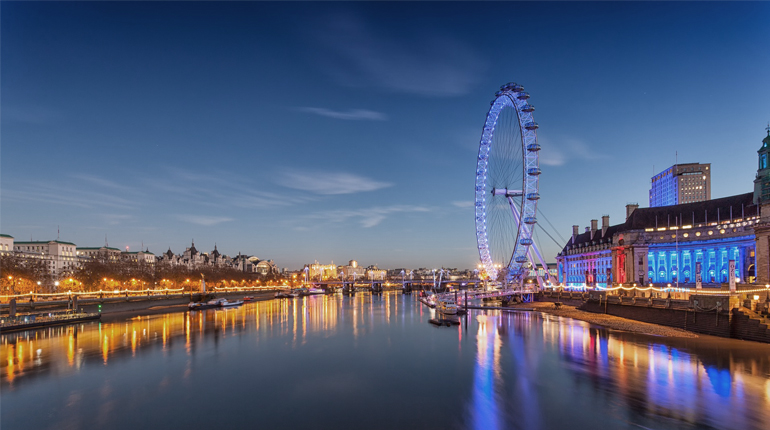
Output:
x=131 y=304
x=604 y=320
x=172 y=308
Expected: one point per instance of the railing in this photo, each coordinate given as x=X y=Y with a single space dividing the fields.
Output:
x=104 y=294
x=485 y=294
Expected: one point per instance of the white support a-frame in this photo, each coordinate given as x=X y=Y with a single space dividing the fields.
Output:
x=541 y=281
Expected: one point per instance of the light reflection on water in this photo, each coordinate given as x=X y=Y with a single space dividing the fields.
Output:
x=364 y=361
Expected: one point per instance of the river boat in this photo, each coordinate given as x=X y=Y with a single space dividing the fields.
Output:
x=447 y=306
x=197 y=306
x=226 y=304
x=294 y=293
x=282 y=295
x=315 y=291
x=248 y=299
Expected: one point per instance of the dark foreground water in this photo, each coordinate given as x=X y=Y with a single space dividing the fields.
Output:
x=374 y=363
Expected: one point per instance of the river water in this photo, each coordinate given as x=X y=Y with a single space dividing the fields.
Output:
x=374 y=362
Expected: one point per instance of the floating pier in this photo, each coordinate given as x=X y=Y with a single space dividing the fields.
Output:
x=28 y=322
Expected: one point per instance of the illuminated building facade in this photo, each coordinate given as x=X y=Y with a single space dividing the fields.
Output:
x=666 y=245
x=104 y=253
x=762 y=199
x=352 y=270
x=681 y=183
x=6 y=244
x=669 y=244
x=322 y=271
x=59 y=257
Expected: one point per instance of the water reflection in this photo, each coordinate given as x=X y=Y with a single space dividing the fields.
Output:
x=331 y=353
x=62 y=350
x=636 y=380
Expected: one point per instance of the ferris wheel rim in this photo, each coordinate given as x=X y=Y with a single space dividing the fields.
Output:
x=510 y=95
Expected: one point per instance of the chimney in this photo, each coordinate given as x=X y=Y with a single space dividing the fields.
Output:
x=594 y=224
x=575 y=233
x=630 y=208
x=605 y=224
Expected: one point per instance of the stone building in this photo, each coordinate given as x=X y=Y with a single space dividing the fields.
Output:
x=6 y=244
x=761 y=198
x=104 y=253
x=59 y=257
x=672 y=244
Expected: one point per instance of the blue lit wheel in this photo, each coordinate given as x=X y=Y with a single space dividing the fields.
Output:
x=507 y=176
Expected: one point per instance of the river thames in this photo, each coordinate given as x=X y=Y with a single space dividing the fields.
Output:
x=374 y=362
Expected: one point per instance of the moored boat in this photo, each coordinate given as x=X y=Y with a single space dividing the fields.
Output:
x=197 y=306
x=225 y=303
x=447 y=306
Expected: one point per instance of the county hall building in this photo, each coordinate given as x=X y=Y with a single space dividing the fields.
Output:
x=671 y=244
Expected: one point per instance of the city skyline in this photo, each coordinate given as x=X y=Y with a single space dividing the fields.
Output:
x=350 y=131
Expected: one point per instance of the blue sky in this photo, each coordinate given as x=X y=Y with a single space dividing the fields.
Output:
x=336 y=131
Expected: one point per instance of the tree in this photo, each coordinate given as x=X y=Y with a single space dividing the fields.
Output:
x=21 y=275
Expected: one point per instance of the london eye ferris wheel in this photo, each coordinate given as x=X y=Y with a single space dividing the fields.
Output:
x=507 y=187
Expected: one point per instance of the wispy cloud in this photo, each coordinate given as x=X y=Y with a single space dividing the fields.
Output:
x=217 y=189
x=66 y=194
x=203 y=219
x=353 y=114
x=414 y=61
x=103 y=182
x=463 y=204
x=563 y=150
x=329 y=182
x=115 y=219
x=368 y=217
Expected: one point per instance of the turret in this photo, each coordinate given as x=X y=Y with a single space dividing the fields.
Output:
x=762 y=181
